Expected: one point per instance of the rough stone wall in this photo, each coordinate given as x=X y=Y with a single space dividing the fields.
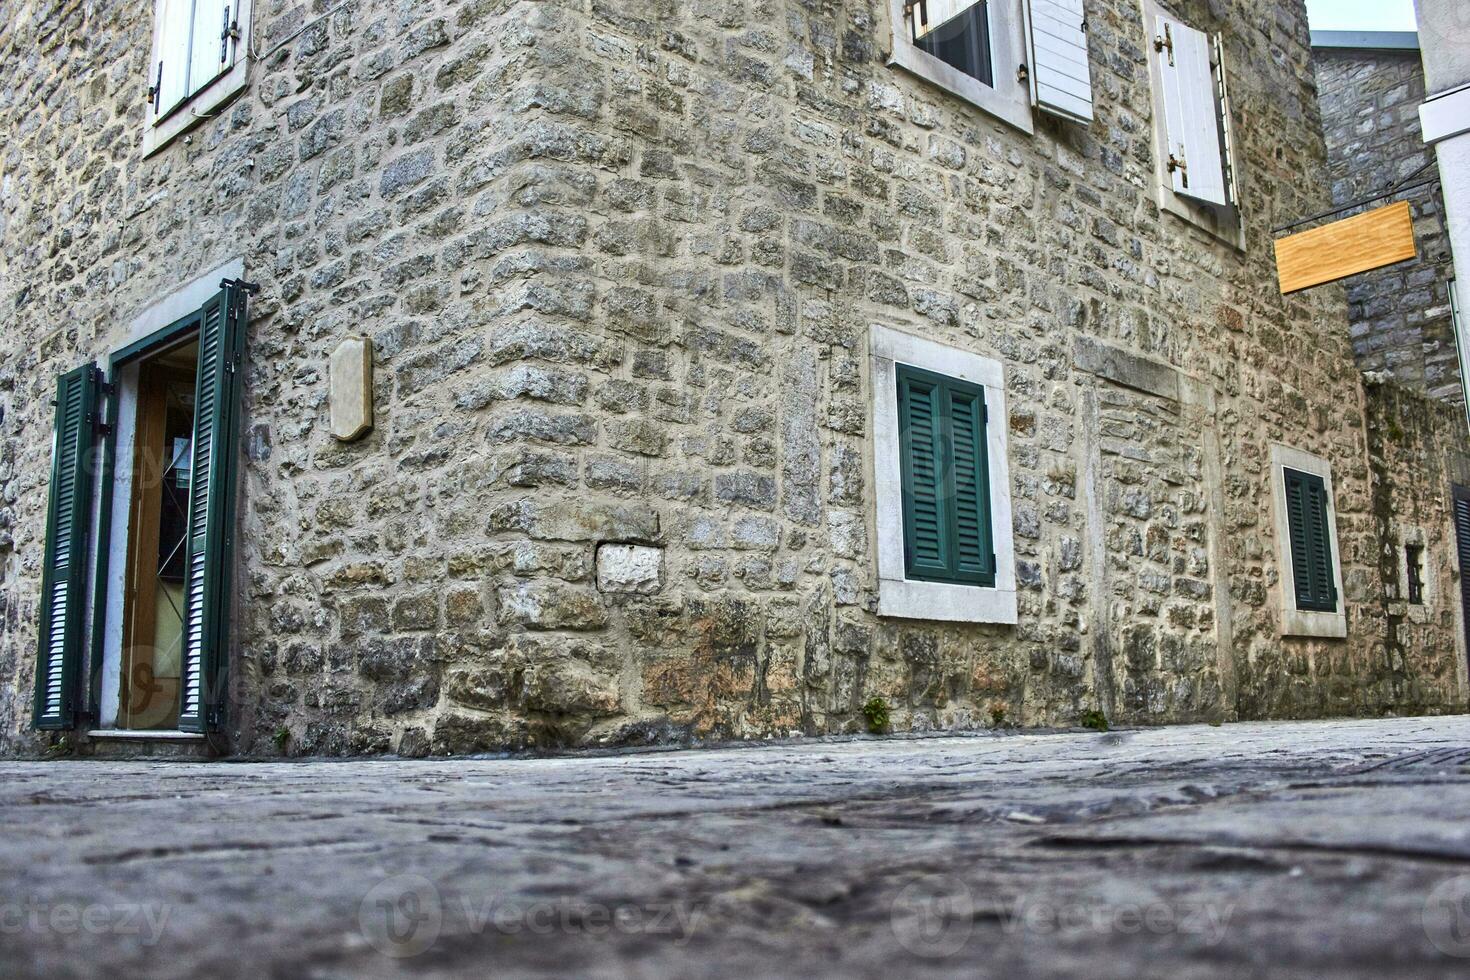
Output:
x=619 y=259
x=1401 y=321
x=1417 y=452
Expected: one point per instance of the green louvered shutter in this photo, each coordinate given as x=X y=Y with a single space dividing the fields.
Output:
x=946 y=479
x=970 y=499
x=1311 y=542
x=64 y=575
x=926 y=530
x=212 y=510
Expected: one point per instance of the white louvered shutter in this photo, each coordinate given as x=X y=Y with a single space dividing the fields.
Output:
x=930 y=15
x=1061 y=78
x=1191 y=112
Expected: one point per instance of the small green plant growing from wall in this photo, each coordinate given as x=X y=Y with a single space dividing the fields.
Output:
x=1095 y=720
x=998 y=712
x=281 y=737
x=876 y=712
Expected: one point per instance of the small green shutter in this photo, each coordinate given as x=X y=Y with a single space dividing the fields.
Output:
x=970 y=501
x=1311 y=542
x=925 y=528
x=212 y=510
x=64 y=574
x=946 y=479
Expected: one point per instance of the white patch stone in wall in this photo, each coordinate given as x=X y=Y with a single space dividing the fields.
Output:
x=630 y=568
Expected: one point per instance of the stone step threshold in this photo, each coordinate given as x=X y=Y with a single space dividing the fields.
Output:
x=132 y=736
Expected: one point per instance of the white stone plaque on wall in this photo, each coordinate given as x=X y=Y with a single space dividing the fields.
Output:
x=351 y=389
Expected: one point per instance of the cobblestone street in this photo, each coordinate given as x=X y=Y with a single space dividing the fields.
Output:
x=1335 y=848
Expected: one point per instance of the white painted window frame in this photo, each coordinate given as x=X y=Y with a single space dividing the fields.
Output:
x=1222 y=223
x=898 y=596
x=1408 y=535
x=174 y=121
x=1009 y=99
x=1294 y=621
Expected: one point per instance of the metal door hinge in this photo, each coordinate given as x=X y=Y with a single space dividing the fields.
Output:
x=1166 y=40
x=229 y=32
x=155 y=93
x=1177 y=163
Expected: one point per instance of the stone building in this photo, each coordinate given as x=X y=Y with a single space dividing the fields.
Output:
x=1402 y=317
x=1371 y=86
x=735 y=363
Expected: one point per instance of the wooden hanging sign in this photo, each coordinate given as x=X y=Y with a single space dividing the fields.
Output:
x=1345 y=248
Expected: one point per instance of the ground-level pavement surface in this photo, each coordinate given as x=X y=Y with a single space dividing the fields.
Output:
x=1315 y=849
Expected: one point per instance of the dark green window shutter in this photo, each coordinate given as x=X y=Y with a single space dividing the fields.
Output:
x=970 y=499
x=946 y=479
x=925 y=529
x=1311 y=542
x=212 y=510
x=64 y=574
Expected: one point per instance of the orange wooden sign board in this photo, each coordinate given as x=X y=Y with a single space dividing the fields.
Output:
x=1346 y=248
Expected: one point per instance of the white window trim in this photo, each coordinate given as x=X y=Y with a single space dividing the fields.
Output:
x=1010 y=99
x=1408 y=535
x=898 y=596
x=204 y=104
x=1222 y=223
x=1294 y=621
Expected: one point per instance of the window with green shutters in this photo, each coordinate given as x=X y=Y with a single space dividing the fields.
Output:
x=946 y=479
x=209 y=546
x=1309 y=525
x=64 y=574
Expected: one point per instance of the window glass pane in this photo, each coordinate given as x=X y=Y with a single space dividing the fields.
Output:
x=964 y=42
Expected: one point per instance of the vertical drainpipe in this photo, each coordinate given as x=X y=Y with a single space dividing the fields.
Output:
x=1462 y=346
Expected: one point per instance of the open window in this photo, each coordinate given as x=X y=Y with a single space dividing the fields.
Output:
x=152 y=607
x=200 y=56
x=1005 y=56
x=1196 y=160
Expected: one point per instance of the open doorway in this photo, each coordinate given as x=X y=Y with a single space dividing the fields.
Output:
x=154 y=597
x=144 y=468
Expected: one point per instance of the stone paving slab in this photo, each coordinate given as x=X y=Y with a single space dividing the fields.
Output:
x=1338 y=848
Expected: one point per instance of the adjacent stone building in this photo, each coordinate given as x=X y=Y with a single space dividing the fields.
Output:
x=1401 y=317
x=1371 y=86
x=735 y=363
